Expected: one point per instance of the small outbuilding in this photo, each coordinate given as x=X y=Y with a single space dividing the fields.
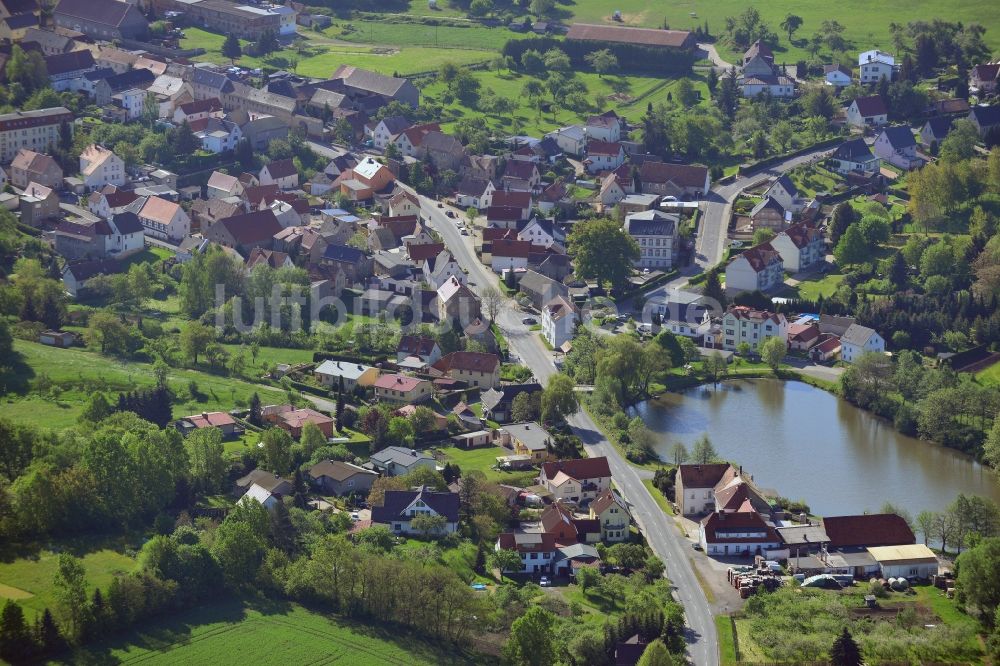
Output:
x=908 y=561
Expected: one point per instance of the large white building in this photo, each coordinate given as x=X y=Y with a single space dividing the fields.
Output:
x=858 y=340
x=743 y=324
x=875 y=65
x=759 y=268
x=35 y=130
x=99 y=167
x=656 y=234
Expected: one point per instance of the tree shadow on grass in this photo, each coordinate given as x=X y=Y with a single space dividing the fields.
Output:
x=15 y=376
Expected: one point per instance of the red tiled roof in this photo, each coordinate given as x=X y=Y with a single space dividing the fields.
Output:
x=683 y=175
x=802 y=332
x=760 y=256
x=703 y=476
x=519 y=249
x=468 y=362
x=582 y=469
x=403 y=383
x=210 y=420
x=596 y=147
x=504 y=199
x=801 y=235
x=877 y=529
x=281 y=168
x=622 y=35
x=716 y=525
x=546 y=544
x=871 y=106
x=497 y=233
x=425 y=251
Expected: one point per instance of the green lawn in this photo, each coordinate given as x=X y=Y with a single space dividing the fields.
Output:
x=865 y=25
x=658 y=496
x=727 y=640
x=990 y=376
x=627 y=95
x=320 y=59
x=816 y=286
x=271 y=634
x=74 y=374
x=414 y=34
x=27 y=578
x=483 y=460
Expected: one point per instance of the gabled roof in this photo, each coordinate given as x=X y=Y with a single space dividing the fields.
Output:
x=878 y=529
x=521 y=169
x=223 y=181
x=581 y=470
x=338 y=470
x=752 y=314
x=29 y=160
x=705 y=476
x=527 y=542
x=837 y=67
x=939 y=126
x=760 y=256
x=159 y=210
x=651 y=223
x=127 y=223
x=281 y=168
x=987 y=72
x=424 y=251
x=899 y=136
x=345 y=369
x=985 y=116
x=506 y=393
x=760 y=49
x=506 y=199
x=343 y=253
x=253 y=227
x=416 y=345
x=472 y=187
x=518 y=249
x=452 y=288
x=607 y=499
x=767 y=203
x=363 y=79
x=403 y=383
x=870 y=106
x=728 y=527
x=596 y=147
x=641 y=36
x=802 y=235
x=466 y=361
x=108 y=12
x=210 y=419
x=64 y=63
x=853 y=150
x=683 y=175
x=857 y=335
x=399 y=455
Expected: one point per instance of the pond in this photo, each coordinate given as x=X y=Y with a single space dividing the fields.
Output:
x=807 y=444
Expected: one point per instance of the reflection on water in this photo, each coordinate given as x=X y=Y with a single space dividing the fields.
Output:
x=808 y=444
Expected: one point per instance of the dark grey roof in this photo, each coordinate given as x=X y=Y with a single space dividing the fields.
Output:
x=21 y=21
x=786 y=183
x=768 y=202
x=127 y=223
x=986 y=115
x=396 y=124
x=363 y=79
x=343 y=253
x=853 y=150
x=940 y=126
x=507 y=393
x=650 y=223
x=74 y=61
x=857 y=335
x=108 y=12
x=396 y=502
x=99 y=73
x=899 y=136
x=207 y=77
x=134 y=78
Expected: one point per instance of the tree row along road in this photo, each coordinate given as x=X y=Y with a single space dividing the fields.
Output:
x=661 y=533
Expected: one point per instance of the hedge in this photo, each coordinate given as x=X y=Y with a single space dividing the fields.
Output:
x=631 y=57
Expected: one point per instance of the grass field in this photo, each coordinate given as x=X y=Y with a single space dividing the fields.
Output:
x=321 y=58
x=271 y=634
x=627 y=95
x=727 y=640
x=74 y=374
x=414 y=34
x=483 y=460
x=990 y=376
x=27 y=577
x=816 y=286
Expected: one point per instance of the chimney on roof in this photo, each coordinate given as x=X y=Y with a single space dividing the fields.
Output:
x=204 y=415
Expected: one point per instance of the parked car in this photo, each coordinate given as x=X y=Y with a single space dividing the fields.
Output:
x=440 y=205
x=529 y=321
x=545 y=582
x=450 y=213
x=696 y=546
x=355 y=517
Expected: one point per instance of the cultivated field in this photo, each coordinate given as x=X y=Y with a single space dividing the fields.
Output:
x=275 y=634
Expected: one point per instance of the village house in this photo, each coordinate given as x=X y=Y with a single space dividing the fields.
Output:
x=778 y=86
x=402 y=389
x=800 y=247
x=266 y=480
x=611 y=192
x=744 y=324
x=683 y=181
x=49 y=42
x=61 y=339
x=837 y=75
x=985 y=78
x=734 y=532
x=221 y=421
x=521 y=175
x=541 y=289
x=416 y=346
x=603 y=156
x=245 y=231
x=656 y=235
x=867 y=112
x=165 y=219
x=441 y=268
x=355 y=264
x=985 y=118
x=875 y=65
x=329 y=373
x=784 y=191
x=870 y=530
x=266 y=498
x=119 y=236
x=802 y=337
x=292 y=419
x=99 y=167
x=543 y=233
x=37 y=130
x=572 y=140
x=854 y=156
x=106 y=20
x=759 y=268
x=827 y=348
x=611 y=511
x=578 y=481
x=217 y=135
x=38 y=203
x=456 y=302
x=66 y=70
x=281 y=173
x=604 y=127
x=248 y=22
x=537 y=549
x=694 y=488
x=404 y=203
x=334 y=477
x=271 y=258
x=770 y=214
x=897 y=146
x=858 y=340
x=934 y=131
x=359 y=83
x=222 y=185
x=519 y=200
x=76 y=276
x=559 y=320
x=387 y=129
x=399 y=461
x=525 y=439
x=442 y=150
x=476 y=369
x=31 y=167
x=906 y=561
x=475 y=193
x=367 y=178
x=198 y=110
x=498 y=403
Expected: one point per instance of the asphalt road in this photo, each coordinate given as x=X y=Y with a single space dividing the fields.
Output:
x=662 y=535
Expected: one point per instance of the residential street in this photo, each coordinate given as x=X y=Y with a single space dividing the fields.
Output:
x=662 y=534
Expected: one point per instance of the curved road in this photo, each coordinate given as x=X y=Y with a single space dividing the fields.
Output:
x=661 y=533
